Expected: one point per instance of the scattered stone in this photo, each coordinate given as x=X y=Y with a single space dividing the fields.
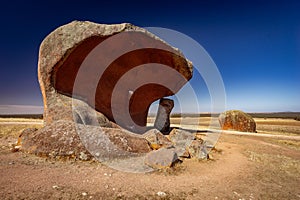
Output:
x=106 y=174
x=199 y=136
x=161 y=194
x=84 y=194
x=197 y=150
x=83 y=156
x=179 y=136
x=237 y=120
x=156 y=139
x=210 y=157
x=55 y=187
x=161 y=158
x=162 y=121
x=181 y=140
x=15 y=148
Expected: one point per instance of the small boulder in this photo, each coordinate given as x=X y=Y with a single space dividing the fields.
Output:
x=162 y=158
x=162 y=121
x=181 y=140
x=179 y=135
x=156 y=139
x=237 y=120
x=197 y=150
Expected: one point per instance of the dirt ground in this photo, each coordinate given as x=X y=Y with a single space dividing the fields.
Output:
x=241 y=167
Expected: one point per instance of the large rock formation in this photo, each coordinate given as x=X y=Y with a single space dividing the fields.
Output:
x=98 y=82
x=114 y=68
x=237 y=120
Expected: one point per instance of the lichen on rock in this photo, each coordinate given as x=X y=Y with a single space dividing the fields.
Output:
x=237 y=120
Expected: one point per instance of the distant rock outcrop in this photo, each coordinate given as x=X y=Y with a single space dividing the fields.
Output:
x=237 y=120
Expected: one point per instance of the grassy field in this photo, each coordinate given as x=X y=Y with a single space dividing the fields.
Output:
x=282 y=115
x=285 y=126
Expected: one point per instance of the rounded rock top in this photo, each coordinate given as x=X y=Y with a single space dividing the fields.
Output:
x=237 y=120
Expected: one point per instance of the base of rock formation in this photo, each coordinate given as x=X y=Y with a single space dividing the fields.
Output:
x=63 y=139
x=68 y=140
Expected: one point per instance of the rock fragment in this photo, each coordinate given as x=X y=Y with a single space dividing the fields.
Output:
x=161 y=158
x=156 y=139
x=162 y=121
x=198 y=150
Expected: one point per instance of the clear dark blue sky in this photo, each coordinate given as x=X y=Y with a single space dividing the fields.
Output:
x=255 y=44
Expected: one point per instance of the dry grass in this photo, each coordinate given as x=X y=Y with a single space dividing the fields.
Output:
x=281 y=165
x=20 y=120
x=12 y=127
x=14 y=130
x=241 y=168
x=289 y=143
x=276 y=126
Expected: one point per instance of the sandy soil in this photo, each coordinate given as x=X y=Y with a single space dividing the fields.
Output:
x=241 y=167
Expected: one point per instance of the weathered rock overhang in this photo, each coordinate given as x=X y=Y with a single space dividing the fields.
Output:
x=98 y=80
x=64 y=51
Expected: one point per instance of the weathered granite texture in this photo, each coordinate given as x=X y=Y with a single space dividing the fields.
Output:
x=65 y=61
x=237 y=120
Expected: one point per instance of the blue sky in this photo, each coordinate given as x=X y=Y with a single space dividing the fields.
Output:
x=255 y=45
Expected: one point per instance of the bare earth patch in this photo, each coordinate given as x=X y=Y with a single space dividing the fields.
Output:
x=241 y=167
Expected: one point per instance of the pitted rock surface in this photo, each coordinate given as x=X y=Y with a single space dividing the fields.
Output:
x=156 y=139
x=98 y=82
x=237 y=120
x=161 y=158
x=60 y=139
x=65 y=49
